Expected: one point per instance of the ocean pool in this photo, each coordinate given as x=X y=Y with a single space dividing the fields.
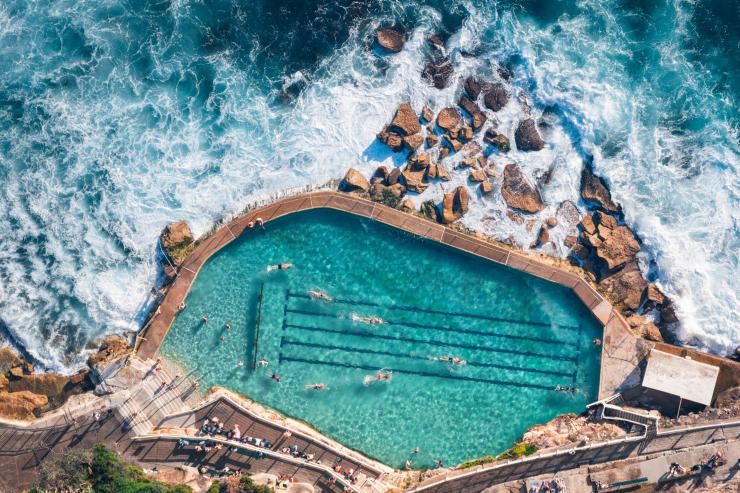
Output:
x=520 y=336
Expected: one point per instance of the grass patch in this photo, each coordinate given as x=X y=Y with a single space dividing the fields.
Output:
x=477 y=462
x=518 y=450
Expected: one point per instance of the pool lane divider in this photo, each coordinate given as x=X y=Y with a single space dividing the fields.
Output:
x=441 y=328
x=571 y=359
x=438 y=312
x=257 y=325
x=447 y=376
x=291 y=342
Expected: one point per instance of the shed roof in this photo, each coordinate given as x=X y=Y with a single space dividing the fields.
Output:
x=683 y=377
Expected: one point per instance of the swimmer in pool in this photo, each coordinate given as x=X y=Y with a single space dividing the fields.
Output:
x=204 y=320
x=275 y=377
x=381 y=375
x=228 y=325
x=452 y=359
x=240 y=363
x=316 y=386
x=320 y=295
x=367 y=320
x=271 y=268
x=263 y=362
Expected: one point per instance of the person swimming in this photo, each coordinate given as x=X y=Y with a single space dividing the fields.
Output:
x=368 y=320
x=452 y=359
x=275 y=377
x=240 y=363
x=563 y=388
x=316 y=386
x=380 y=376
x=228 y=326
x=320 y=295
x=263 y=362
x=286 y=266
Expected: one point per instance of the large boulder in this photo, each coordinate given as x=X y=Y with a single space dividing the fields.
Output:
x=473 y=86
x=391 y=139
x=9 y=359
x=413 y=142
x=354 y=181
x=625 y=287
x=644 y=328
x=497 y=140
x=617 y=247
x=21 y=405
x=390 y=39
x=415 y=181
x=438 y=74
x=518 y=193
x=527 y=137
x=478 y=117
x=449 y=118
x=177 y=241
x=454 y=205
x=112 y=347
x=593 y=189
x=496 y=97
x=406 y=120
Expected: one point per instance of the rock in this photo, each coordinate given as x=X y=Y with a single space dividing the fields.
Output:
x=354 y=181
x=391 y=139
x=625 y=287
x=429 y=210
x=654 y=294
x=3 y=382
x=580 y=251
x=436 y=41
x=518 y=193
x=467 y=162
x=591 y=240
x=605 y=220
x=479 y=118
x=444 y=152
x=432 y=140
x=454 y=205
x=21 y=405
x=478 y=176
x=551 y=222
x=387 y=195
x=498 y=140
x=496 y=97
x=393 y=176
x=568 y=217
x=442 y=173
x=406 y=120
x=527 y=137
x=427 y=113
x=473 y=86
x=380 y=175
x=438 y=74
x=644 y=328
x=112 y=347
x=414 y=180
x=407 y=204
x=449 y=118
x=568 y=430
x=587 y=225
x=453 y=133
x=481 y=160
x=177 y=241
x=413 y=142
x=16 y=372
x=466 y=133
x=419 y=161
x=569 y=241
x=668 y=313
x=432 y=171
x=450 y=142
x=391 y=39
x=543 y=236
x=620 y=247
x=486 y=187
x=504 y=73
x=9 y=359
x=594 y=190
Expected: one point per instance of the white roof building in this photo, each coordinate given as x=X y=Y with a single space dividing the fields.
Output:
x=683 y=377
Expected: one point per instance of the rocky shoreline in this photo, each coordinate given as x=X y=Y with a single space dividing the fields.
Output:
x=466 y=138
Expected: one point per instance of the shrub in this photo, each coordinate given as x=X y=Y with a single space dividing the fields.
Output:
x=476 y=462
x=519 y=450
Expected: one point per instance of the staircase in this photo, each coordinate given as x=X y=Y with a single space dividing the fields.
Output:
x=609 y=409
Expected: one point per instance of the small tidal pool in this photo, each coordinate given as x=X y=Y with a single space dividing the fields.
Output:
x=520 y=337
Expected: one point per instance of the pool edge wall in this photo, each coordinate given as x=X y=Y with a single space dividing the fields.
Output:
x=620 y=345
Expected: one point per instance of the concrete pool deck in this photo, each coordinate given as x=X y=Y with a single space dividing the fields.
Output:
x=622 y=351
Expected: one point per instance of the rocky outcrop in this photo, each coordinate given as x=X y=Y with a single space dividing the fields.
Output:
x=497 y=140
x=438 y=74
x=644 y=328
x=617 y=246
x=413 y=142
x=625 y=287
x=112 y=347
x=390 y=39
x=543 y=236
x=518 y=193
x=415 y=181
x=496 y=98
x=380 y=174
x=177 y=241
x=594 y=190
x=454 y=205
x=427 y=113
x=406 y=121
x=486 y=187
x=354 y=181
x=478 y=176
x=478 y=117
x=449 y=118
x=473 y=86
x=527 y=137
x=23 y=405
x=389 y=195
x=571 y=429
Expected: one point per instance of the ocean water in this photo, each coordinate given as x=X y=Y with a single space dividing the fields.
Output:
x=520 y=336
x=118 y=117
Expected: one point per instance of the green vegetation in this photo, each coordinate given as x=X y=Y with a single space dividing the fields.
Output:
x=99 y=470
x=244 y=484
x=476 y=462
x=518 y=450
x=429 y=210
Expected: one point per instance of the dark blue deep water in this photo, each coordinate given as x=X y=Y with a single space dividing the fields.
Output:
x=118 y=117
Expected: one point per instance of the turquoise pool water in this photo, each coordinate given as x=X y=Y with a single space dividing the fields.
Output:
x=521 y=337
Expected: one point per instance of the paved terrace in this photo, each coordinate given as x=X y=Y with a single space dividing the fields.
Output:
x=622 y=351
